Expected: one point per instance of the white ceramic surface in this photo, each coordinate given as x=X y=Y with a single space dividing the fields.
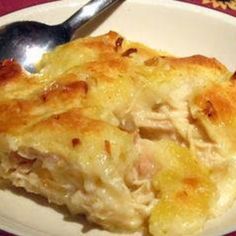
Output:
x=179 y=28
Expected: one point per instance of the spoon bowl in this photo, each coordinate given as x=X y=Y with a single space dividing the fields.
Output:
x=27 y=41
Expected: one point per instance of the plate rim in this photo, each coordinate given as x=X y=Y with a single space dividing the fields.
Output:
x=167 y=3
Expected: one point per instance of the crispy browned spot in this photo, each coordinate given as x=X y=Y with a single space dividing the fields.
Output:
x=218 y=102
x=191 y=182
x=233 y=77
x=107 y=147
x=9 y=69
x=80 y=85
x=118 y=43
x=56 y=117
x=61 y=90
x=129 y=51
x=152 y=61
x=209 y=110
x=75 y=142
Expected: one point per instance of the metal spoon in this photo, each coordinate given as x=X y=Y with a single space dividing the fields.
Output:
x=27 y=41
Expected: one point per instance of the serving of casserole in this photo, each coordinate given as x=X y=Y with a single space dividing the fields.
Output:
x=132 y=138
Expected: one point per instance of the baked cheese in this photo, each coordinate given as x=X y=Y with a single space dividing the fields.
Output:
x=132 y=138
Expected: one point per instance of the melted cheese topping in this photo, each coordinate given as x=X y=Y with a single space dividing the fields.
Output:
x=122 y=134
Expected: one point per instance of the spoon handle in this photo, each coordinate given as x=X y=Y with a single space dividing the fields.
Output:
x=84 y=14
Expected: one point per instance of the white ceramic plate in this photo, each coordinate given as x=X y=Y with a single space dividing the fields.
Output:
x=180 y=28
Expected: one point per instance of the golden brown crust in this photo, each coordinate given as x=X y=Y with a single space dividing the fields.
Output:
x=104 y=43
x=218 y=102
x=9 y=70
x=66 y=91
x=43 y=94
x=14 y=114
x=196 y=60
